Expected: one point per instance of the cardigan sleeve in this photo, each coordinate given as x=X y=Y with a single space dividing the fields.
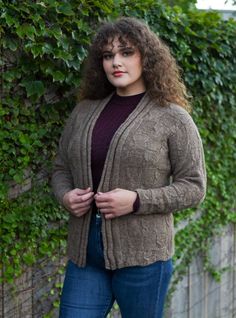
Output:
x=62 y=179
x=188 y=186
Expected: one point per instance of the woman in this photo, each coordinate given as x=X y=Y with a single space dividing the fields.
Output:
x=130 y=155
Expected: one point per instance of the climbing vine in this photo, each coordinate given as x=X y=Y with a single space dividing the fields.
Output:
x=43 y=46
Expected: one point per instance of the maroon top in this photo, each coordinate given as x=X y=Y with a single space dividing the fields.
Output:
x=113 y=115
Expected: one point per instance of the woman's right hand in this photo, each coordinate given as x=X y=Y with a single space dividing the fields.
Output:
x=78 y=201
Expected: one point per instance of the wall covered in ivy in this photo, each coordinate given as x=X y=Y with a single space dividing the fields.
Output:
x=43 y=46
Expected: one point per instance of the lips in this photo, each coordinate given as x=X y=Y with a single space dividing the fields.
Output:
x=117 y=73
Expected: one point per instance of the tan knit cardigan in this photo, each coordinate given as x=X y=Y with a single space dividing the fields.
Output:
x=157 y=152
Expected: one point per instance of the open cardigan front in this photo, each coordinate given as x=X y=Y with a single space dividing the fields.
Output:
x=157 y=152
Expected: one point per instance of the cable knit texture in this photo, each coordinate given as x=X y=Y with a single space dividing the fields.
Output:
x=157 y=151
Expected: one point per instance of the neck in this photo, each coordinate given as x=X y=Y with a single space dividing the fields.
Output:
x=130 y=90
x=122 y=92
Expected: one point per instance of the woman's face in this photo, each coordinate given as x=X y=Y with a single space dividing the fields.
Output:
x=123 y=67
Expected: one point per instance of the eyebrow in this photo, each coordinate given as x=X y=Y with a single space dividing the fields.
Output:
x=127 y=48
x=121 y=48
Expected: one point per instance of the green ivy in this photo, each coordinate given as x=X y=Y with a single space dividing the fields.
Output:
x=31 y=228
x=44 y=44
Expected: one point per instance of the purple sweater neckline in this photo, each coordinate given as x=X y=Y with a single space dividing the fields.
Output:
x=113 y=115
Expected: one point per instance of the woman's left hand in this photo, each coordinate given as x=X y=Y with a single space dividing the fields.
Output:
x=115 y=203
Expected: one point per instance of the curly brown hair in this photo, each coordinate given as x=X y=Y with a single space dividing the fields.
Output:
x=161 y=73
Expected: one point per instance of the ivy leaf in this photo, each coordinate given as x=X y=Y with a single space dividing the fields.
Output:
x=10 y=20
x=47 y=48
x=29 y=258
x=35 y=88
x=58 y=76
x=10 y=44
x=37 y=50
x=55 y=31
x=26 y=30
x=65 y=9
x=61 y=54
x=76 y=64
x=11 y=75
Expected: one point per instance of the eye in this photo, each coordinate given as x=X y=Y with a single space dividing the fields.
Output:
x=127 y=53
x=107 y=56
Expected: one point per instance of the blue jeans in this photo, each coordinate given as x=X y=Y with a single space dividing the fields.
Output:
x=90 y=292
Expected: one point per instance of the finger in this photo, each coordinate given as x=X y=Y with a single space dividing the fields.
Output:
x=82 y=198
x=102 y=197
x=87 y=196
x=80 y=205
x=80 y=212
x=83 y=210
x=106 y=210
x=109 y=216
x=102 y=205
x=82 y=191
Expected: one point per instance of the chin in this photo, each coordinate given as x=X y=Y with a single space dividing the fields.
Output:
x=120 y=85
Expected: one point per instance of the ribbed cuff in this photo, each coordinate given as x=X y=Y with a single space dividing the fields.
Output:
x=136 y=204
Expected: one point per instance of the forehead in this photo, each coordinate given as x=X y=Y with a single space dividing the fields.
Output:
x=116 y=43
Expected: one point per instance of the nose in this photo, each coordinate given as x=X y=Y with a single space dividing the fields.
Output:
x=116 y=61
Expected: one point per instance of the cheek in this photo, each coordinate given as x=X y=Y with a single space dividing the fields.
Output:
x=104 y=66
x=138 y=65
x=139 y=69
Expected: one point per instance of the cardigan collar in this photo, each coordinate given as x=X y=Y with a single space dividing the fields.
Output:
x=98 y=105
